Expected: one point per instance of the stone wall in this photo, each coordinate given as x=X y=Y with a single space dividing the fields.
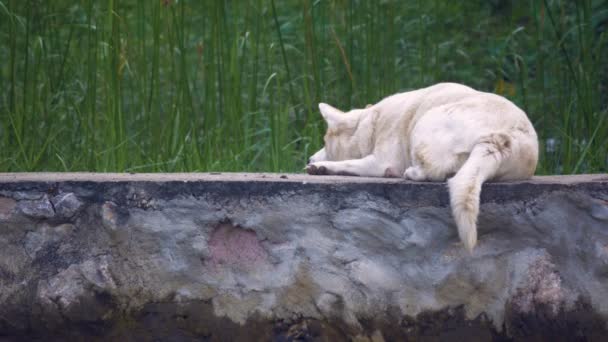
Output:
x=293 y=257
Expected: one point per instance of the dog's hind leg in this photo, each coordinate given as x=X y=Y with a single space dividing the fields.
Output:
x=433 y=163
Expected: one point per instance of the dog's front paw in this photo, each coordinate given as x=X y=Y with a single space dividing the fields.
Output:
x=313 y=169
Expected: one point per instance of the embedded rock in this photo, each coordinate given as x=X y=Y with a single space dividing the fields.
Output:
x=37 y=208
x=265 y=257
x=66 y=204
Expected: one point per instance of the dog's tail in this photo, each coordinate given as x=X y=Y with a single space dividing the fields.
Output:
x=465 y=187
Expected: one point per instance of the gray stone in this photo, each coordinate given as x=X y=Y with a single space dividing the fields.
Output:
x=46 y=235
x=40 y=208
x=261 y=257
x=66 y=204
x=22 y=195
x=599 y=210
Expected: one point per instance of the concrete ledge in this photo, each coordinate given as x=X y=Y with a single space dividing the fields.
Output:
x=287 y=257
x=45 y=177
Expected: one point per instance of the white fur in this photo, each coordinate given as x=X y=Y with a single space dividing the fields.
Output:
x=431 y=134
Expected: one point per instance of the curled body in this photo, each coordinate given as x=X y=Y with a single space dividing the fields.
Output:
x=444 y=132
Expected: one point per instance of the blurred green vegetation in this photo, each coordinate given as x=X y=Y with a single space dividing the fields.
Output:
x=204 y=85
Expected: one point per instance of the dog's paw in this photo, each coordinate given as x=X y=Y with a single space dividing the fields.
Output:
x=414 y=173
x=313 y=169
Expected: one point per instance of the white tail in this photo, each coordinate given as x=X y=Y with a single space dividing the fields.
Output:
x=465 y=186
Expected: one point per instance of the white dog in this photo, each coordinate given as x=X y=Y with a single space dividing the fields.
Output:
x=444 y=131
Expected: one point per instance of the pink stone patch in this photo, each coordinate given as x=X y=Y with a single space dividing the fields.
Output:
x=543 y=287
x=235 y=247
x=6 y=207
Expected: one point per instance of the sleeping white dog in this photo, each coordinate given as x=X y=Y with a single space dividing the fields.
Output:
x=444 y=131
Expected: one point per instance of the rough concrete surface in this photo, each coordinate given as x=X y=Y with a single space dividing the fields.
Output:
x=228 y=257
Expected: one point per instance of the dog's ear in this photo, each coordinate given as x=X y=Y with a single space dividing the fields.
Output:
x=332 y=115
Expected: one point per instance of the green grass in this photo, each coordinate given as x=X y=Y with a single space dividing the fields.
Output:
x=151 y=85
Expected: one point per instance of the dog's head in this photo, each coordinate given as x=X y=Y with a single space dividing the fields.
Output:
x=348 y=134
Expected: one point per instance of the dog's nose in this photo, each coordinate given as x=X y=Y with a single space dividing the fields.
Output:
x=309 y=160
